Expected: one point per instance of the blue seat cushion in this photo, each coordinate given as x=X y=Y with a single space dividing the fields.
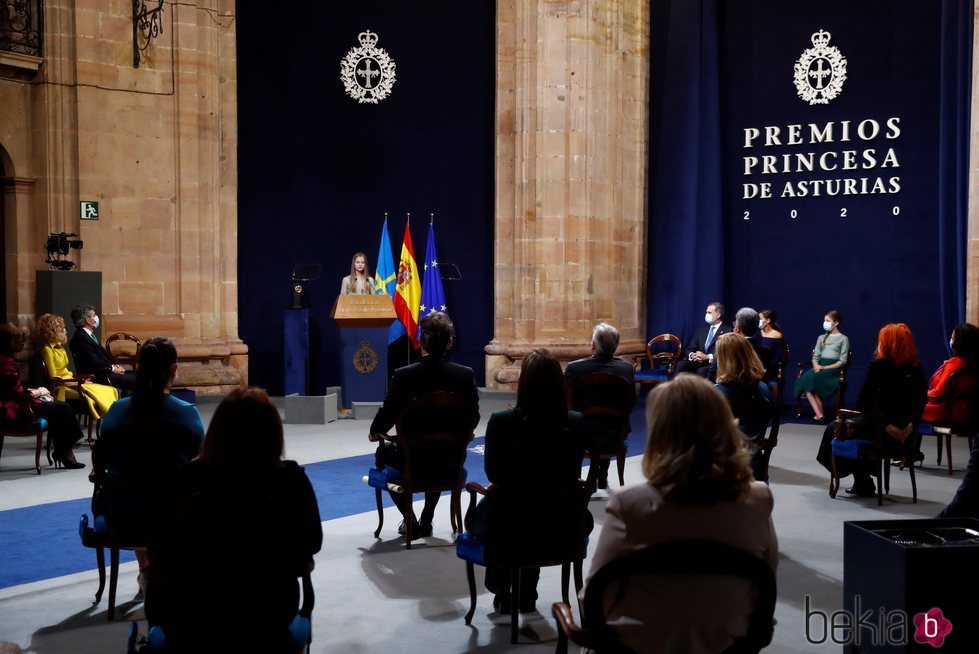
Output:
x=469 y=548
x=300 y=633
x=42 y=423
x=851 y=449
x=656 y=374
x=380 y=478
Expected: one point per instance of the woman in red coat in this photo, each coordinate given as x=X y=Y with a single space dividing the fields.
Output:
x=948 y=403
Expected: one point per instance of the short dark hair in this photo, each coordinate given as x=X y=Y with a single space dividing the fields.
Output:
x=718 y=307
x=80 y=313
x=747 y=321
x=245 y=431
x=437 y=333
x=965 y=342
x=12 y=339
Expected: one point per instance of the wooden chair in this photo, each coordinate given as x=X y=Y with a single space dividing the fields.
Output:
x=78 y=403
x=606 y=401
x=120 y=352
x=692 y=557
x=777 y=385
x=962 y=399
x=880 y=452
x=433 y=432
x=30 y=427
x=662 y=354
x=543 y=526
x=840 y=390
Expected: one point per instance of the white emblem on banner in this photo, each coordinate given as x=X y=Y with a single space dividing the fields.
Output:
x=367 y=72
x=820 y=71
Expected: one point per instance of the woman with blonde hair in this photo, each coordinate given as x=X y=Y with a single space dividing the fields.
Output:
x=739 y=379
x=358 y=282
x=51 y=336
x=699 y=487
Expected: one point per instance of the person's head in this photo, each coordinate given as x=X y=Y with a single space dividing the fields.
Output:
x=85 y=315
x=737 y=361
x=694 y=451
x=50 y=328
x=358 y=265
x=713 y=313
x=155 y=371
x=12 y=339
x=245 y=431
x=746 y=321
x=437 y=333
x=604 y=340
x=832 y=320
x=896 y=342
x=965 y=342
x=766 y=317
x=541 y=392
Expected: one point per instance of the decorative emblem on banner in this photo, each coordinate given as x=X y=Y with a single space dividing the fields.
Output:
x=367 y=72
x=820 y=71
x=365 y=358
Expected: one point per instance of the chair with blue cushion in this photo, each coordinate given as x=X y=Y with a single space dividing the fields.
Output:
x=29 y=426
x=692 y=557
x=536 y=527
x=880 y=451
x=433 y=432
x=662 y=354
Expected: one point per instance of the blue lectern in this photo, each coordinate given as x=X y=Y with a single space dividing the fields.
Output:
x=363 y=321
x=295 y=344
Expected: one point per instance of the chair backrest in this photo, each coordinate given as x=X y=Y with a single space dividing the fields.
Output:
x=691 y=557
x=120 y=353
x=602 y=393
x=433 y=432
x=664 y=349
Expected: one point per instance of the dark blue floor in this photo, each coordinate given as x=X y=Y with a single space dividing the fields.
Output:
x=42 y=542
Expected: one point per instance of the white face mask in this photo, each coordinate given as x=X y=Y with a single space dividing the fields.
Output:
x=827 y=325
x=709 y=318
x=950 y=342
x=96 y=322
x=761 y=324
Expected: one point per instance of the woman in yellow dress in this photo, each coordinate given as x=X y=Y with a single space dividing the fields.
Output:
x=51 y=338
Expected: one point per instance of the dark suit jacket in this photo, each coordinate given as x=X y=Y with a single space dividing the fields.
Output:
x=427 y=376
x=698 y=344
x=596 y=363
x=764 y=353
x=90 y=357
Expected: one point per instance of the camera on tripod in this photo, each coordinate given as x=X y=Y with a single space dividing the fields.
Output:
x=58 y=246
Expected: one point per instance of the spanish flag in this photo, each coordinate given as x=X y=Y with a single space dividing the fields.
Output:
x=407 y=295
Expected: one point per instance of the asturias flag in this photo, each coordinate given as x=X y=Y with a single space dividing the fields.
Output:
x=407 y=297
x=433 y=295
x=384 y=278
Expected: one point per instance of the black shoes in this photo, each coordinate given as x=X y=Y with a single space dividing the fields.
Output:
x=68 y=461
x=862 y=488
x=418 y=530
x=502 y=604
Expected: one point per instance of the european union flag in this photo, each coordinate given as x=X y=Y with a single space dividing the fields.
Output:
x=385 y=278
x=433 y=295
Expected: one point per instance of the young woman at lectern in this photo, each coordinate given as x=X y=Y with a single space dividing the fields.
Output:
x=358 y=282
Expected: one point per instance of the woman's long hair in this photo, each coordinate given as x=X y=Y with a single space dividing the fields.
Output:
x=245 y=432
x=157 y=357
x=737 y=361
x=694 y=450
x=353 y=268
x=541 y=394
x=896 y=342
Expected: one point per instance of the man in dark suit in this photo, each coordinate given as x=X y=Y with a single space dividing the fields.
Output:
x=90 y=357
x=699 y=353
x=746 y=324
x=432 y=374
x=600 y=435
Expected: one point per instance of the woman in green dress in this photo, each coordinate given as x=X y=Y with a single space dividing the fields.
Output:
x=830 y=354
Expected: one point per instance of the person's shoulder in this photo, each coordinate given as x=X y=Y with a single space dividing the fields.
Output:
x=760 y=495
x=642 y=497
x=504 y=417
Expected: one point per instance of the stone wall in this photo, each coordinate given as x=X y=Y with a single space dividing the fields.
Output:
x=156 y=146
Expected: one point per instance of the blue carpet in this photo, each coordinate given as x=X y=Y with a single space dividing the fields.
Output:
x=41 y=542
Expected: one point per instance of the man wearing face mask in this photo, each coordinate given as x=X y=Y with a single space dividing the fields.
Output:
x=90 y=357
x=699 y=353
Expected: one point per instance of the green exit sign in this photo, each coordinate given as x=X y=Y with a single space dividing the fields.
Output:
x=89 y=210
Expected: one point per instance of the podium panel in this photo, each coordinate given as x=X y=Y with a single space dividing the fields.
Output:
x=295 y=347
x=363 y=321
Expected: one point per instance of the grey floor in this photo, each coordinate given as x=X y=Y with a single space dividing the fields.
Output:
x=372 y=596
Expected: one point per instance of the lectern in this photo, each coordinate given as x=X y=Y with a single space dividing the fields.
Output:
x=363 y=321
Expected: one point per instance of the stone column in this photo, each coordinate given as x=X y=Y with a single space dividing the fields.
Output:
x=571 y=153
x=22 y=240
x=972 y=252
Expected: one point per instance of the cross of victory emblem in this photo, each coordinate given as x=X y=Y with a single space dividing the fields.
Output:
x=820 y=71
x=367 y=72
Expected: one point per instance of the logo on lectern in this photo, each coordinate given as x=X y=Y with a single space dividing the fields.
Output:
x=367 y=72
x=820 y=71
x=365 y=358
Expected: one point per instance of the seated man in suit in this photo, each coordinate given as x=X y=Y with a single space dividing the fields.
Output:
x=432 y=374
x=90 y=357
x=699 y=353
x=599 y=437
x=746 y=324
